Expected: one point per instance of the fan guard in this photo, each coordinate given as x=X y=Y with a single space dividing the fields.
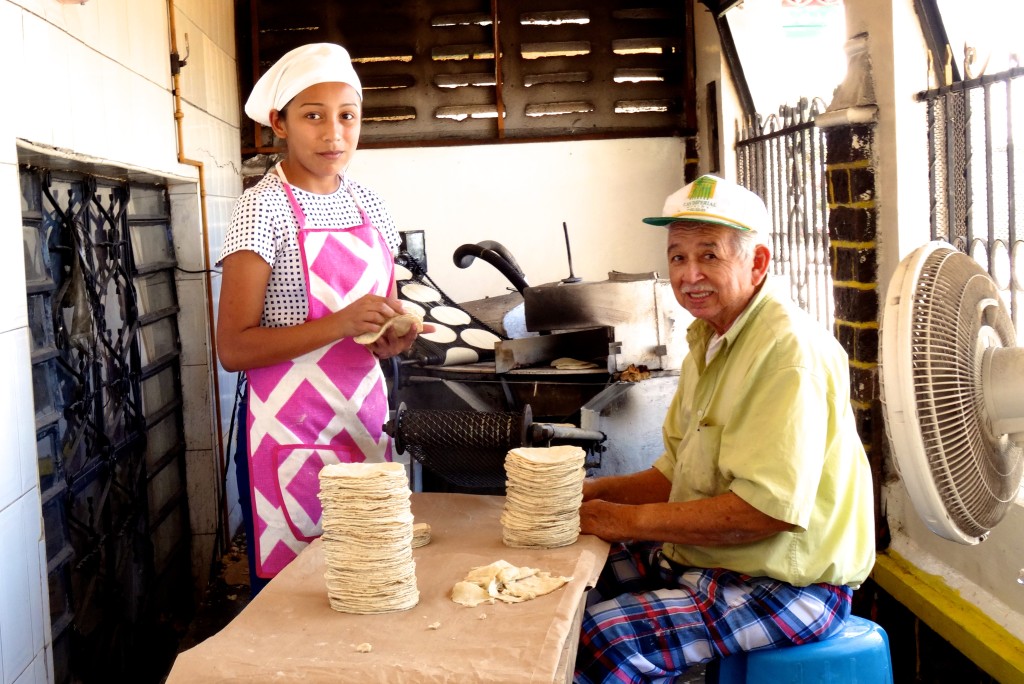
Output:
x=953 y=392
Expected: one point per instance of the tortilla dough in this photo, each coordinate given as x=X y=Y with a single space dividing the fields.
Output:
x=481 y=339
x=449 y=315
x=567 y=363
x=442 y=334
x=402 y=273
x=421 y=293
x=420 y=535
x=459 y=355
x=505 y=582
x=413 y=308
x=402 y=324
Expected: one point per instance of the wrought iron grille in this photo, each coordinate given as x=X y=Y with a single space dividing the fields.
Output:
x=106 y=378
x=976 y=201
x=782 y=159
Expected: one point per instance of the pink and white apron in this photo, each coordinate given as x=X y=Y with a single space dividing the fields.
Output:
x=327 y=406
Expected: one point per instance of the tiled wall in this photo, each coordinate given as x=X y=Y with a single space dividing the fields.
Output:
x=93 y=81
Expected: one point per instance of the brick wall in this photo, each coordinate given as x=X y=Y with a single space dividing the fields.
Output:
x=853 y=246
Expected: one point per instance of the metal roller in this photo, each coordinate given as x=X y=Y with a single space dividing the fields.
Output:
x=468 y=448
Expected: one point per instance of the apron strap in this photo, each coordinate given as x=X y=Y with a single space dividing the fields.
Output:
x=300 y=216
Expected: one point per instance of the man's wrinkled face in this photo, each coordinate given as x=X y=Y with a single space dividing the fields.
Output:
x=712 y=277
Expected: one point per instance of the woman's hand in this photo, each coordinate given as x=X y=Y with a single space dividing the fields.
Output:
x=368 y=314
x=389 y=344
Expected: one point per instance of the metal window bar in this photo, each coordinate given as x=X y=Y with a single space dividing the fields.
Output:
x=110 y=582
x=972 y=161
x=782 y=158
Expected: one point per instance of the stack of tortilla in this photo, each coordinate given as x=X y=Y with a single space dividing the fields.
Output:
x=544 y=489
x=367 y=538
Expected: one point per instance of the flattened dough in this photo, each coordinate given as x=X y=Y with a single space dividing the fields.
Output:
x=421 y=293
x=481 y=339
x=505 y=582
x=420 y=534
x=413 y=308
x=449 y=315
x=442 y=334
x=402 y=324
x=566 y=363
x=402 y=273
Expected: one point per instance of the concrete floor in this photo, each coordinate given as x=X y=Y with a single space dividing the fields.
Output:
x=225 y=598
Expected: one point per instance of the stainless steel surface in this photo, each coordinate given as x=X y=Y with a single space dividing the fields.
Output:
x=649 y=326
x=585 y=345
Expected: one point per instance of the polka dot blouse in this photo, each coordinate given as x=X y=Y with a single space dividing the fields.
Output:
x=263 y=222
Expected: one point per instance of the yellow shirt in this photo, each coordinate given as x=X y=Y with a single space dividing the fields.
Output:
x=769 y=418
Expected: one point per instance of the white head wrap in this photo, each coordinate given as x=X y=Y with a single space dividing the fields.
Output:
x=294 y=72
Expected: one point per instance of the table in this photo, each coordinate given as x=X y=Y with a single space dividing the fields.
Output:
x=290 y=633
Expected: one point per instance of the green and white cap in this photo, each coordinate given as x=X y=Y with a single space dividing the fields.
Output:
x=711 y=199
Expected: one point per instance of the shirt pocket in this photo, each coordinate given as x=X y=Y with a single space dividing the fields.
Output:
x=700 y=462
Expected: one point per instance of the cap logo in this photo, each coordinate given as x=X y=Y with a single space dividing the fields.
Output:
x=703 y=188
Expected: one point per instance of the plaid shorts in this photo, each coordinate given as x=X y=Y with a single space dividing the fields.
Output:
x=649 y=619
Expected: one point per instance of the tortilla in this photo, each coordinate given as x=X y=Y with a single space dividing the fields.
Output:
x=402 y=324
x=567 y=363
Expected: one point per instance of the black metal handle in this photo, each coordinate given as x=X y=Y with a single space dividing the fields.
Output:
x=496 y=255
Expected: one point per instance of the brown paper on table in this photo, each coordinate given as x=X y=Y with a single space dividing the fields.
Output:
x=289 y=632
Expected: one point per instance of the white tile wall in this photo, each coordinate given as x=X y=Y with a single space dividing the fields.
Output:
x=193 y=324
x=112 y=27
x=192 y=41
x=18 y=416
x=24 y=613
x=202 y=468
x=186 y=215
x=40 y=47
x=24 y=624
x=148 y=40
x=13 y=311
x=10 y=79
x=36 y=673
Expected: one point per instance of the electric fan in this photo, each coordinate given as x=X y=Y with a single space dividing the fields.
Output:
x=953 y=392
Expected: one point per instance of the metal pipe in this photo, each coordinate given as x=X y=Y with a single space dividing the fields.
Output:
x=545 y=432
x=204 y=225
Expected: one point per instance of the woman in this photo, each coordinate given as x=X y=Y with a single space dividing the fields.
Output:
x=308 y=265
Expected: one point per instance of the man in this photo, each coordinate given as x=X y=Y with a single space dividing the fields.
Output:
x=756 y=522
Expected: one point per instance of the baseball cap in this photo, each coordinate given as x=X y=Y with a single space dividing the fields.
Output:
x=297 y=70
x=711 y=199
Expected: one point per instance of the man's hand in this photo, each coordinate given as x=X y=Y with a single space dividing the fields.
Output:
x=609 y=521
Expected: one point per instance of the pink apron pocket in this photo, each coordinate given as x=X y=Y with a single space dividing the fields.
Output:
x=298 y=469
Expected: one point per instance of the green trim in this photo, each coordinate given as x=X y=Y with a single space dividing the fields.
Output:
x=959 y=622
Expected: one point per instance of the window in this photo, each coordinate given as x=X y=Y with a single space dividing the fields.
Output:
x=477 y=71
x=799 y=40
x=971 y=117
x=982 y=35
x=99 y=266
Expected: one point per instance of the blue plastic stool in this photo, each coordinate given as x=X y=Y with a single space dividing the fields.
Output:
x=857 y=655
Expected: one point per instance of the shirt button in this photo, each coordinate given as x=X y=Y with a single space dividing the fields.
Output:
x=700 y=413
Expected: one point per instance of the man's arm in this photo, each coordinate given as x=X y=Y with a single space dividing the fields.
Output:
x=646 y=486
x=721 y=520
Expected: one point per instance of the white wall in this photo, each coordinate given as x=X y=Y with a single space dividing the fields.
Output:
x=93 y=81
x=519 y=195
x=24 y=605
